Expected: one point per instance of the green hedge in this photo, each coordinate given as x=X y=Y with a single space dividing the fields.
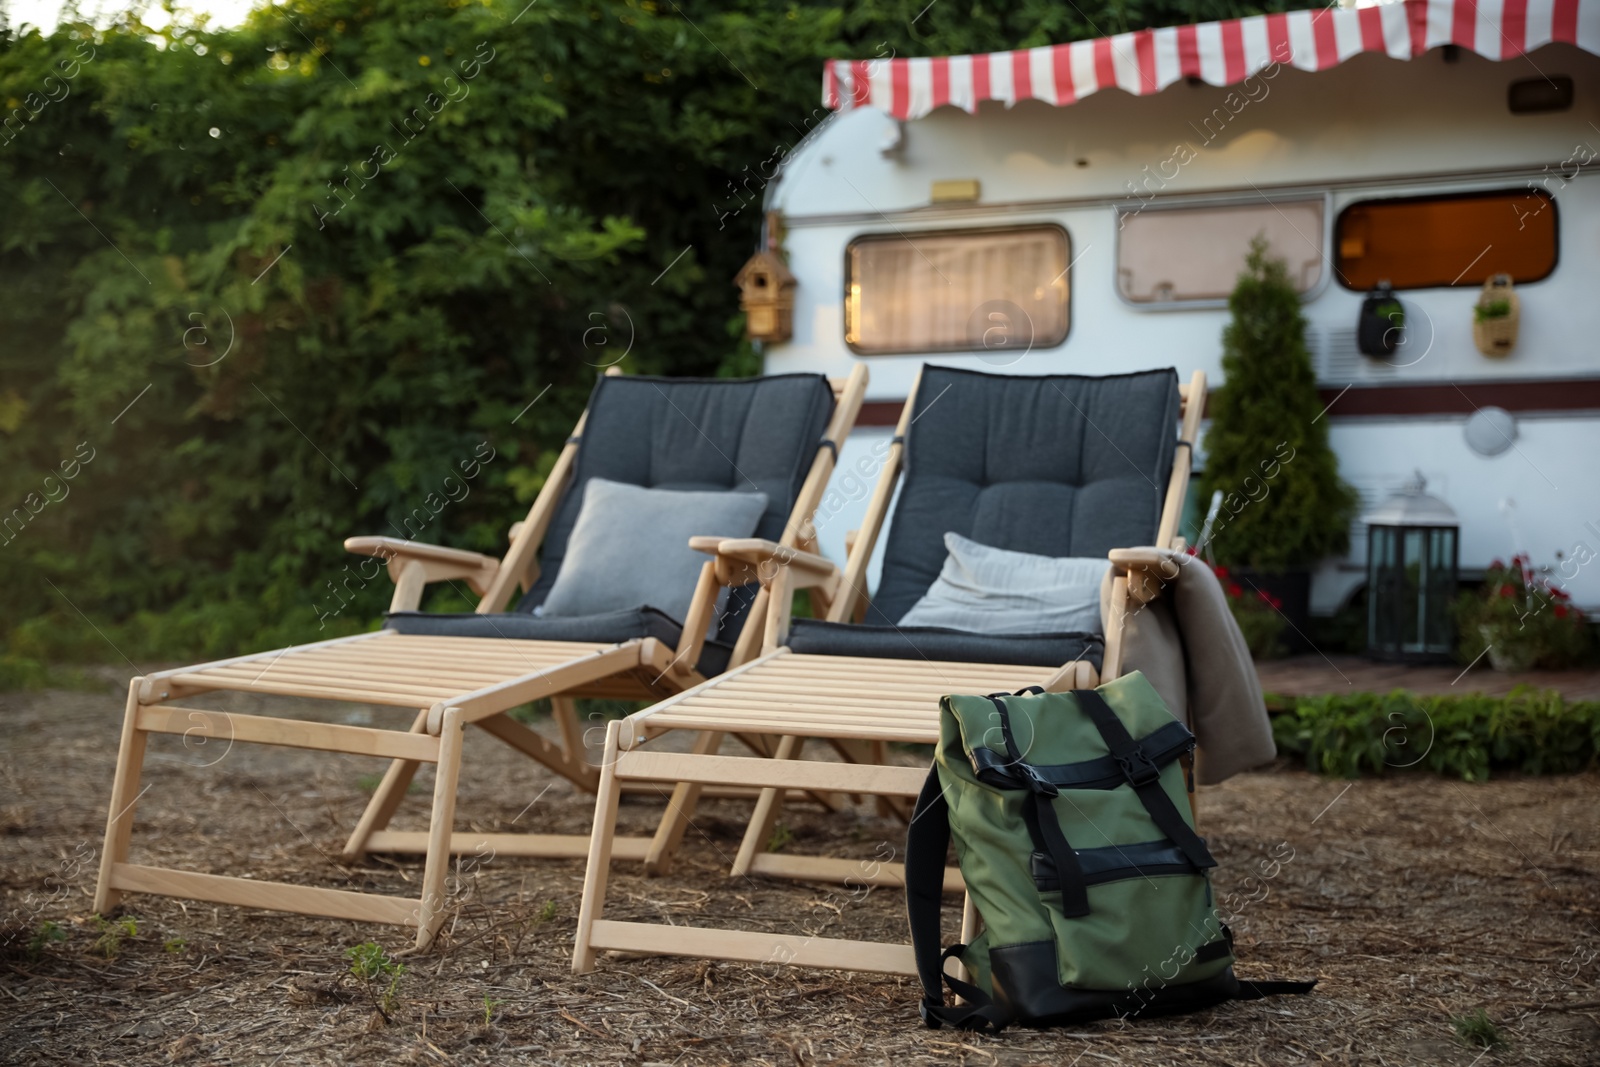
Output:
x=1469 y=736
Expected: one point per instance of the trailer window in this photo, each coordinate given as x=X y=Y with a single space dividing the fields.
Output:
x=1172 y=255
x=1002 y=291
x=1421 y=242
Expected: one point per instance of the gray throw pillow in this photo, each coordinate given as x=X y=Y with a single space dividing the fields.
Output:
x=630 y=547
x=988 y=590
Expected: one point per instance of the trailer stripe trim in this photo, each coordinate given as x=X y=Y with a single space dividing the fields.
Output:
x=1219 y=53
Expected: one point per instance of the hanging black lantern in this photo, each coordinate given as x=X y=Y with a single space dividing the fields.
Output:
x=1381 y=328
x=1413 y=556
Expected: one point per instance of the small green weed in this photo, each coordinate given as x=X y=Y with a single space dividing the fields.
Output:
x=368 y=961
x=547 y=912
x=781 y=836
x=112 y=934
x=175 y=945
x=1477 y=1029
x=489 y=1005
x=49 y=933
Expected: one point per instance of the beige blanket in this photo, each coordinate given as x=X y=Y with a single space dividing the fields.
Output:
x=1186 y=643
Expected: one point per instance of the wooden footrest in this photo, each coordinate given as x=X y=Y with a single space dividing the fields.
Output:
x=549 y=846
x=870 y=779
x=269 y=896
x=846 y=872
x=753 y=947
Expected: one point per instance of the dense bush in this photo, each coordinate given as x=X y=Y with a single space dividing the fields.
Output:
x=267 y=287
x=1468 y=736
x=1284 y=505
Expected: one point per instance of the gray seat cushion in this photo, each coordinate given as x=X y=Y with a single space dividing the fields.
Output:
x=1056 y=465
x=744 y=435
x=610 y=627
x=932 y=643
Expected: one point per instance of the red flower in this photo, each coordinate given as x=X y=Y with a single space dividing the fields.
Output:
x=1507 y=591
x=1561 y=611
x=1234 y=590
x=1560 y=594
x=1221 y=572
x=1497 y=565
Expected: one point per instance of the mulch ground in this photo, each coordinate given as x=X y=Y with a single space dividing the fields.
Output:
x=1411 y=899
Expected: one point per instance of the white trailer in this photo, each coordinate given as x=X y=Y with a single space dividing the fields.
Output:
x=956 y=211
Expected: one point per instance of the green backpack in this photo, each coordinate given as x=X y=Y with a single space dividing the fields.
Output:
x=1072 y=826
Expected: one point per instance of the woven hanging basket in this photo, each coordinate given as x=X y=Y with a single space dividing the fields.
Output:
x=1496 y=336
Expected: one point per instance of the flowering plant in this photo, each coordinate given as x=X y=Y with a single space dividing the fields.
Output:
x=1258 y=613
x=1522 y=619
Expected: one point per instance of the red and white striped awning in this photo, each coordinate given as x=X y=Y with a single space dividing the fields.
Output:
x=1221 y=53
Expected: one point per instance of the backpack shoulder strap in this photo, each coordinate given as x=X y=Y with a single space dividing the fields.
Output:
x=927 y=842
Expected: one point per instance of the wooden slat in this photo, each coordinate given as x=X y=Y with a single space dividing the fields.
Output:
x=853 y=586
x=853 y=664
x=779 y=721
x=840 y=871
x=258 y=656
x=548 y=846
x=497 y=649
x=802 y=703
x=762 y=686
x=752 y=947
x=456 y=659
x=864 y=731
x=315 y=692
x=493 y=699
x=769 y=710
x=747 y=770
x=1194 y=402
x=372 y=682
x=382 y=675
x=272 y=896
x=292 y=733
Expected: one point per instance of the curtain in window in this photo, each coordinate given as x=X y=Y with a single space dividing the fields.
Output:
x=944 y=292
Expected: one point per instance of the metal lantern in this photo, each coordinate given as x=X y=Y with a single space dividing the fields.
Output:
x=1413 y=554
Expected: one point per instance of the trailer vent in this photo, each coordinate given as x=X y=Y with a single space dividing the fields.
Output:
x=1342 y=362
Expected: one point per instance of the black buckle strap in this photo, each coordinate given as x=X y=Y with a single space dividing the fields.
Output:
x=1137 y=767
x=1044 y=827
x=1126 y=751
x=1162 y=745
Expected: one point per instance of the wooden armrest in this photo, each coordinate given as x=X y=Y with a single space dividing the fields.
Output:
x=1148 y=570
x=744 y=559
x=413 y=565
x=386 y=547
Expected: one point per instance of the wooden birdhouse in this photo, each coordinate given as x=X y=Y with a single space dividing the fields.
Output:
x=766 y=295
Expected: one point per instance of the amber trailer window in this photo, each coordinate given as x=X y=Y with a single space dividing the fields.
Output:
x=1422 y=242
x=1170 y=255
x=957 y=291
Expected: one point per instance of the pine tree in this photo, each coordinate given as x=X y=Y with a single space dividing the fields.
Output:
x=1284 y=505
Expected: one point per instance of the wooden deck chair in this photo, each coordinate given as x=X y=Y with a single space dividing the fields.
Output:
x=1057 y=466
x=778 y=435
